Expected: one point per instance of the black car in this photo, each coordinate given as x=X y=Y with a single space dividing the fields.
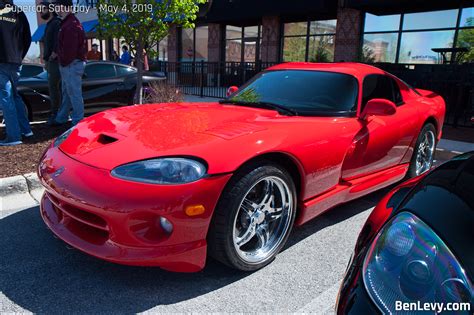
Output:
x=30 y=70
x=417 y=248
x=104 y=85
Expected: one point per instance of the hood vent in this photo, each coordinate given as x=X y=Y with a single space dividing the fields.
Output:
x=105 y=139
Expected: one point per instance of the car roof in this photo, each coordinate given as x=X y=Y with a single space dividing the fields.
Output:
x=359 y=70
x=108 y=62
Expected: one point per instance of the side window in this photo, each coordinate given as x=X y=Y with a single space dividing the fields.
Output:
x=377 y=86
x=397 y=95
x=122 y=70
x=99 y=71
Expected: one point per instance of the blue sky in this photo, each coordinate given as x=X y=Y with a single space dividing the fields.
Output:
x=31 y=15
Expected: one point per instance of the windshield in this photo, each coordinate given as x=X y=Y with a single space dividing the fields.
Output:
x=43 y=75
x=303 y=92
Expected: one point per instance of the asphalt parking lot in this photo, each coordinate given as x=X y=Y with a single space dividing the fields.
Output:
x=40 y=274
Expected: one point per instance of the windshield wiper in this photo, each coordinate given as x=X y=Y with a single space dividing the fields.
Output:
x=279 y=108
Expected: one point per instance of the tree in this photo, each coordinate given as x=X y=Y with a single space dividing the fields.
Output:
x=142 y=22
x=466 y=39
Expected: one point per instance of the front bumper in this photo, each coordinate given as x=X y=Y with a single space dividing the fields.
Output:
x=118 y=220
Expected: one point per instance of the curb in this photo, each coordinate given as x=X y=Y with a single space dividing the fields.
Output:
x=19 y=192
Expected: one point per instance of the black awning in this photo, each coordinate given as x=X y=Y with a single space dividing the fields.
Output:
x=384 y=7
x=245 y=12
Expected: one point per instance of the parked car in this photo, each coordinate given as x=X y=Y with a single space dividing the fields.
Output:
x=416 y=247
x=105 y=85
x=166 y=184
x=30 y=70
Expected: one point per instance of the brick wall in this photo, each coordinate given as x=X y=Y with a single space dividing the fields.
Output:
x=173 y=44
x=348 y=34
x=270 y=48
x=214 y=43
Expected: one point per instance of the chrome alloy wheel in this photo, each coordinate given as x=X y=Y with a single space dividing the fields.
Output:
x=425 y=153
x=263 y=219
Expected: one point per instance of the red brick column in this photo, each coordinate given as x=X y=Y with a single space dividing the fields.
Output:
x=214 y=43
x=173 y=44
x=348 y=34
x=270 y=47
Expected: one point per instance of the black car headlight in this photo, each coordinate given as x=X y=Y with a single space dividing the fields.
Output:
x=62 y=137
x=165 y=171
x=408 y=262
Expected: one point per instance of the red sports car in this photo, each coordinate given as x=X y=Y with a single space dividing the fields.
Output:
x=166 y=184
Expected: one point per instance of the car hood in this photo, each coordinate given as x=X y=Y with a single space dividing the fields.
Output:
x=139 y=132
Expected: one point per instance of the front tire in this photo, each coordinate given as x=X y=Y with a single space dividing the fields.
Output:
x=423 y=154
x=254 y=217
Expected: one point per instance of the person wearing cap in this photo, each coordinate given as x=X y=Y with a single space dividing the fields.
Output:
x=50 y=57
x=94 y=53
x=15 y=40
x=72 y=50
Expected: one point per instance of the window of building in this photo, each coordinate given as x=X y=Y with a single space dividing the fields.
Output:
x=242 y=44
x=385 y=23
x=465 y=36
x=163 y=49
x=193 y=45
x=309 y=41
x=430 y=20
x=415 y=47
x=410 y=38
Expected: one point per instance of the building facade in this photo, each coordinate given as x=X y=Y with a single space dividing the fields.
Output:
x=325 y=31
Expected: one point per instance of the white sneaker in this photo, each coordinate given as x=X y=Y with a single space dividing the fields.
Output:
x=29 y=134
x=6 y=143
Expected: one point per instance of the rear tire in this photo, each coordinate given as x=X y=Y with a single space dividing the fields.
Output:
x=424 y=150
x=254 y=217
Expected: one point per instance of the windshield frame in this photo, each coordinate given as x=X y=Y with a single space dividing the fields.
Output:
x=344 y=113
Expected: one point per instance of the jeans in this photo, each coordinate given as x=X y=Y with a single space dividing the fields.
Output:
x=54 y=85
x=14 y=109
x=71 y=80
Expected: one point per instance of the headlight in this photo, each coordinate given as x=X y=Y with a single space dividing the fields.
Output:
x=167 y=171
x=62 y=137
x=408 y=262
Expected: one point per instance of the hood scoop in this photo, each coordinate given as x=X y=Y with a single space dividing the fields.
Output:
x=106 y=139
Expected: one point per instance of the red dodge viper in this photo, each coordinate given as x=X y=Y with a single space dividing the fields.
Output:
x=166 y=184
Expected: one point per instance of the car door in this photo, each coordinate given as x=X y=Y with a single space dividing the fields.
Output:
x=127 y=88
x=100 y=85
x=382 y=141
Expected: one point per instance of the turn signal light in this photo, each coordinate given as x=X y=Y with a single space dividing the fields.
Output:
x=194 y=210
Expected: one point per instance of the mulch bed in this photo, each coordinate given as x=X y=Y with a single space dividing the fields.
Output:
x=22 y=159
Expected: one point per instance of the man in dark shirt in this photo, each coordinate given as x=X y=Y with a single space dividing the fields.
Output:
x=72 y=51
x=50 y=57
x=15 y=40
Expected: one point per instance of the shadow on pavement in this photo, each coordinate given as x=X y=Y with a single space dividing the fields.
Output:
x=40 y=274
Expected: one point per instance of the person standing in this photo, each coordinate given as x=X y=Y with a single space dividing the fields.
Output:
x=72 y=50
x=50 y=57
x=125 y=58
x=94 y=53
x=15 y=40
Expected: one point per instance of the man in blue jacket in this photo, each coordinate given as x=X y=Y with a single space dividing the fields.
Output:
x=125 y=59
x=15 y=40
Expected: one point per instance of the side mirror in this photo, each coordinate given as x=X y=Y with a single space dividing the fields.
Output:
x=378 y=107
x=232 y=90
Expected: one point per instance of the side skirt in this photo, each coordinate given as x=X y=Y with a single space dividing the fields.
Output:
x=349 y=190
